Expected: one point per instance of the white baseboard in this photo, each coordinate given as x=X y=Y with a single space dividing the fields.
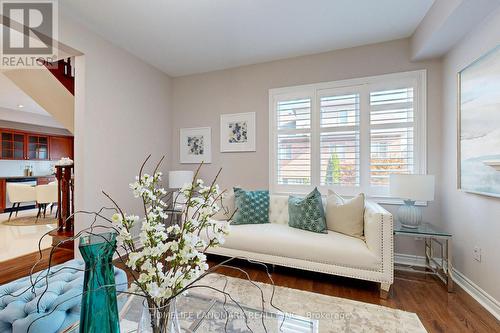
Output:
x=481 y=296
x=408 y=259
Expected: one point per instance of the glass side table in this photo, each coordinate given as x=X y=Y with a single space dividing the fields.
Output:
x=441 y=266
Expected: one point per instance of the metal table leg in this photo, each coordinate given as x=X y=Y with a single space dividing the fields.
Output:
x=427 y=254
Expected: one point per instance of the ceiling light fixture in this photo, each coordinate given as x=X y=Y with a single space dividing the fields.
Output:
x=20 y=106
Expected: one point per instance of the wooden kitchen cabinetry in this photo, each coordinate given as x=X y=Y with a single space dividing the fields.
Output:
x=19 y=145
x=38 y=147
x=13 y=145
x=60 y=146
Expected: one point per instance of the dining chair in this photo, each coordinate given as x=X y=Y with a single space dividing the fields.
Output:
x=46 y=195
x=19 y=193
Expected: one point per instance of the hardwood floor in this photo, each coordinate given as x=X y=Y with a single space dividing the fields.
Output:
x=19 y=267
x=438 y=310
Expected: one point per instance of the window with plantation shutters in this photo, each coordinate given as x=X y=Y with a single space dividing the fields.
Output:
x=391 y=134
x=339 y=139
x=293 y=119
x=348 y=135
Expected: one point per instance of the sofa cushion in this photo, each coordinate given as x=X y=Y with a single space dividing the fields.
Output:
x=252 y=207
x=345 y=216
x=281 y=240
x=307 y=213
x=227 y=207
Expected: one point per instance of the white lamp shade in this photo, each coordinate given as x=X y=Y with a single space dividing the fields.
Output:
x=178 y=178
x=412 y=187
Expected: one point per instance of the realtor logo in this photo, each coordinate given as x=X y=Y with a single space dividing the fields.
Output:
x=28 y=32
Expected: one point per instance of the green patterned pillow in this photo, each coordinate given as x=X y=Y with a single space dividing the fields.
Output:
x=252 y=207
x=307 y=213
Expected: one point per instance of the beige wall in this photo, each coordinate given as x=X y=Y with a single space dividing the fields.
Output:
x=122 y=113
x=473 y=219
x=199 y=100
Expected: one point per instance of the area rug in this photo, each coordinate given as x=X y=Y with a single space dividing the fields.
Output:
x=30 y=220
x=332 y=314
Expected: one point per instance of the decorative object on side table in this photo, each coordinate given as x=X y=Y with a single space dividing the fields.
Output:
x=237 y=132
x=411 y=188
x=440 y=266
x=196 y=145
x=99 y=311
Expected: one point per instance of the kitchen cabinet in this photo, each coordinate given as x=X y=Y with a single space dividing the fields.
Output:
x=13 y=145
x=20 y=145
x=38 y=147
x=60 y=146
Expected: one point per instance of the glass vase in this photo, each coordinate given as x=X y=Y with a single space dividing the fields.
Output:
x=99 y=311
x=159 y=319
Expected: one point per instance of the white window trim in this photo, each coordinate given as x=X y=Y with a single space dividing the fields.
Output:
x=313 y=91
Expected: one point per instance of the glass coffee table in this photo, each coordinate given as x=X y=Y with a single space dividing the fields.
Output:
x=201 y=314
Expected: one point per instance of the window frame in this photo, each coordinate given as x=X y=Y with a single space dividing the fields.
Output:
x=363 y=86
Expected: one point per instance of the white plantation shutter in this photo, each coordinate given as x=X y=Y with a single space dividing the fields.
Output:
x=293 y=119
x=348 y=135
x=391 y=134
x=339 y=140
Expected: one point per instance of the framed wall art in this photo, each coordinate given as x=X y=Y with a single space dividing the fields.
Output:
x=195 y=145
x=479 y=126
x=237 y=132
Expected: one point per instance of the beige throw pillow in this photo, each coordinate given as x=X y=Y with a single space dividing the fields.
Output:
x=345 y=216
x=228 y=207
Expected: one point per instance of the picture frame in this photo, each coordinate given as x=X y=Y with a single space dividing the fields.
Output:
x=195 y=145
x=238 y=132
x=478 y=121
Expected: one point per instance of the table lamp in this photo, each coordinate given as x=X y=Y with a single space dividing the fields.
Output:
x=411 y=188
x=176 y=180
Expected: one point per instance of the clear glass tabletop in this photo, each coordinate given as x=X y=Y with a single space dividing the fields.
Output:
x=202 y=314
x=425 y=229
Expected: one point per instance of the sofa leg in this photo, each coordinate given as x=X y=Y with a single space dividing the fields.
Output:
x=385 y=289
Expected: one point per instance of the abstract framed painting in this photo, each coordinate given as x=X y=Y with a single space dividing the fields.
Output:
x=196 y=145
x=479 y=126
x=237 y=132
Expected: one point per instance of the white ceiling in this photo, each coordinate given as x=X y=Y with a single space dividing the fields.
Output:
x=11 y=96
x=183 y=37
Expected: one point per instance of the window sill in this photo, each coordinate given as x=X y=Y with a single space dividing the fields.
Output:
x=383 y=200
x=394 y=201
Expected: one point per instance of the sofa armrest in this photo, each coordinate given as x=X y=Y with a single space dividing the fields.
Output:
x=378 y=224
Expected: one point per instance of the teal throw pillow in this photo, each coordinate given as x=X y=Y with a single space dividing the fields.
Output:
x=252 y=207
x=307 y=213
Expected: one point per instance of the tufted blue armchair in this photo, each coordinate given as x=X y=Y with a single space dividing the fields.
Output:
x=58 y=308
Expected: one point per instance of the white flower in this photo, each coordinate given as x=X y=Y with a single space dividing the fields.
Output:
x=116 y=218
x=170 y=257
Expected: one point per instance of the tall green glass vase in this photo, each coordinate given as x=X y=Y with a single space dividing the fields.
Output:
x=99 y=311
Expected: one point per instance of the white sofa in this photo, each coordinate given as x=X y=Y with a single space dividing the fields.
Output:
x=334 y=253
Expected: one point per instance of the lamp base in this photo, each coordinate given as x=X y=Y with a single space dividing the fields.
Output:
x=409 y=215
